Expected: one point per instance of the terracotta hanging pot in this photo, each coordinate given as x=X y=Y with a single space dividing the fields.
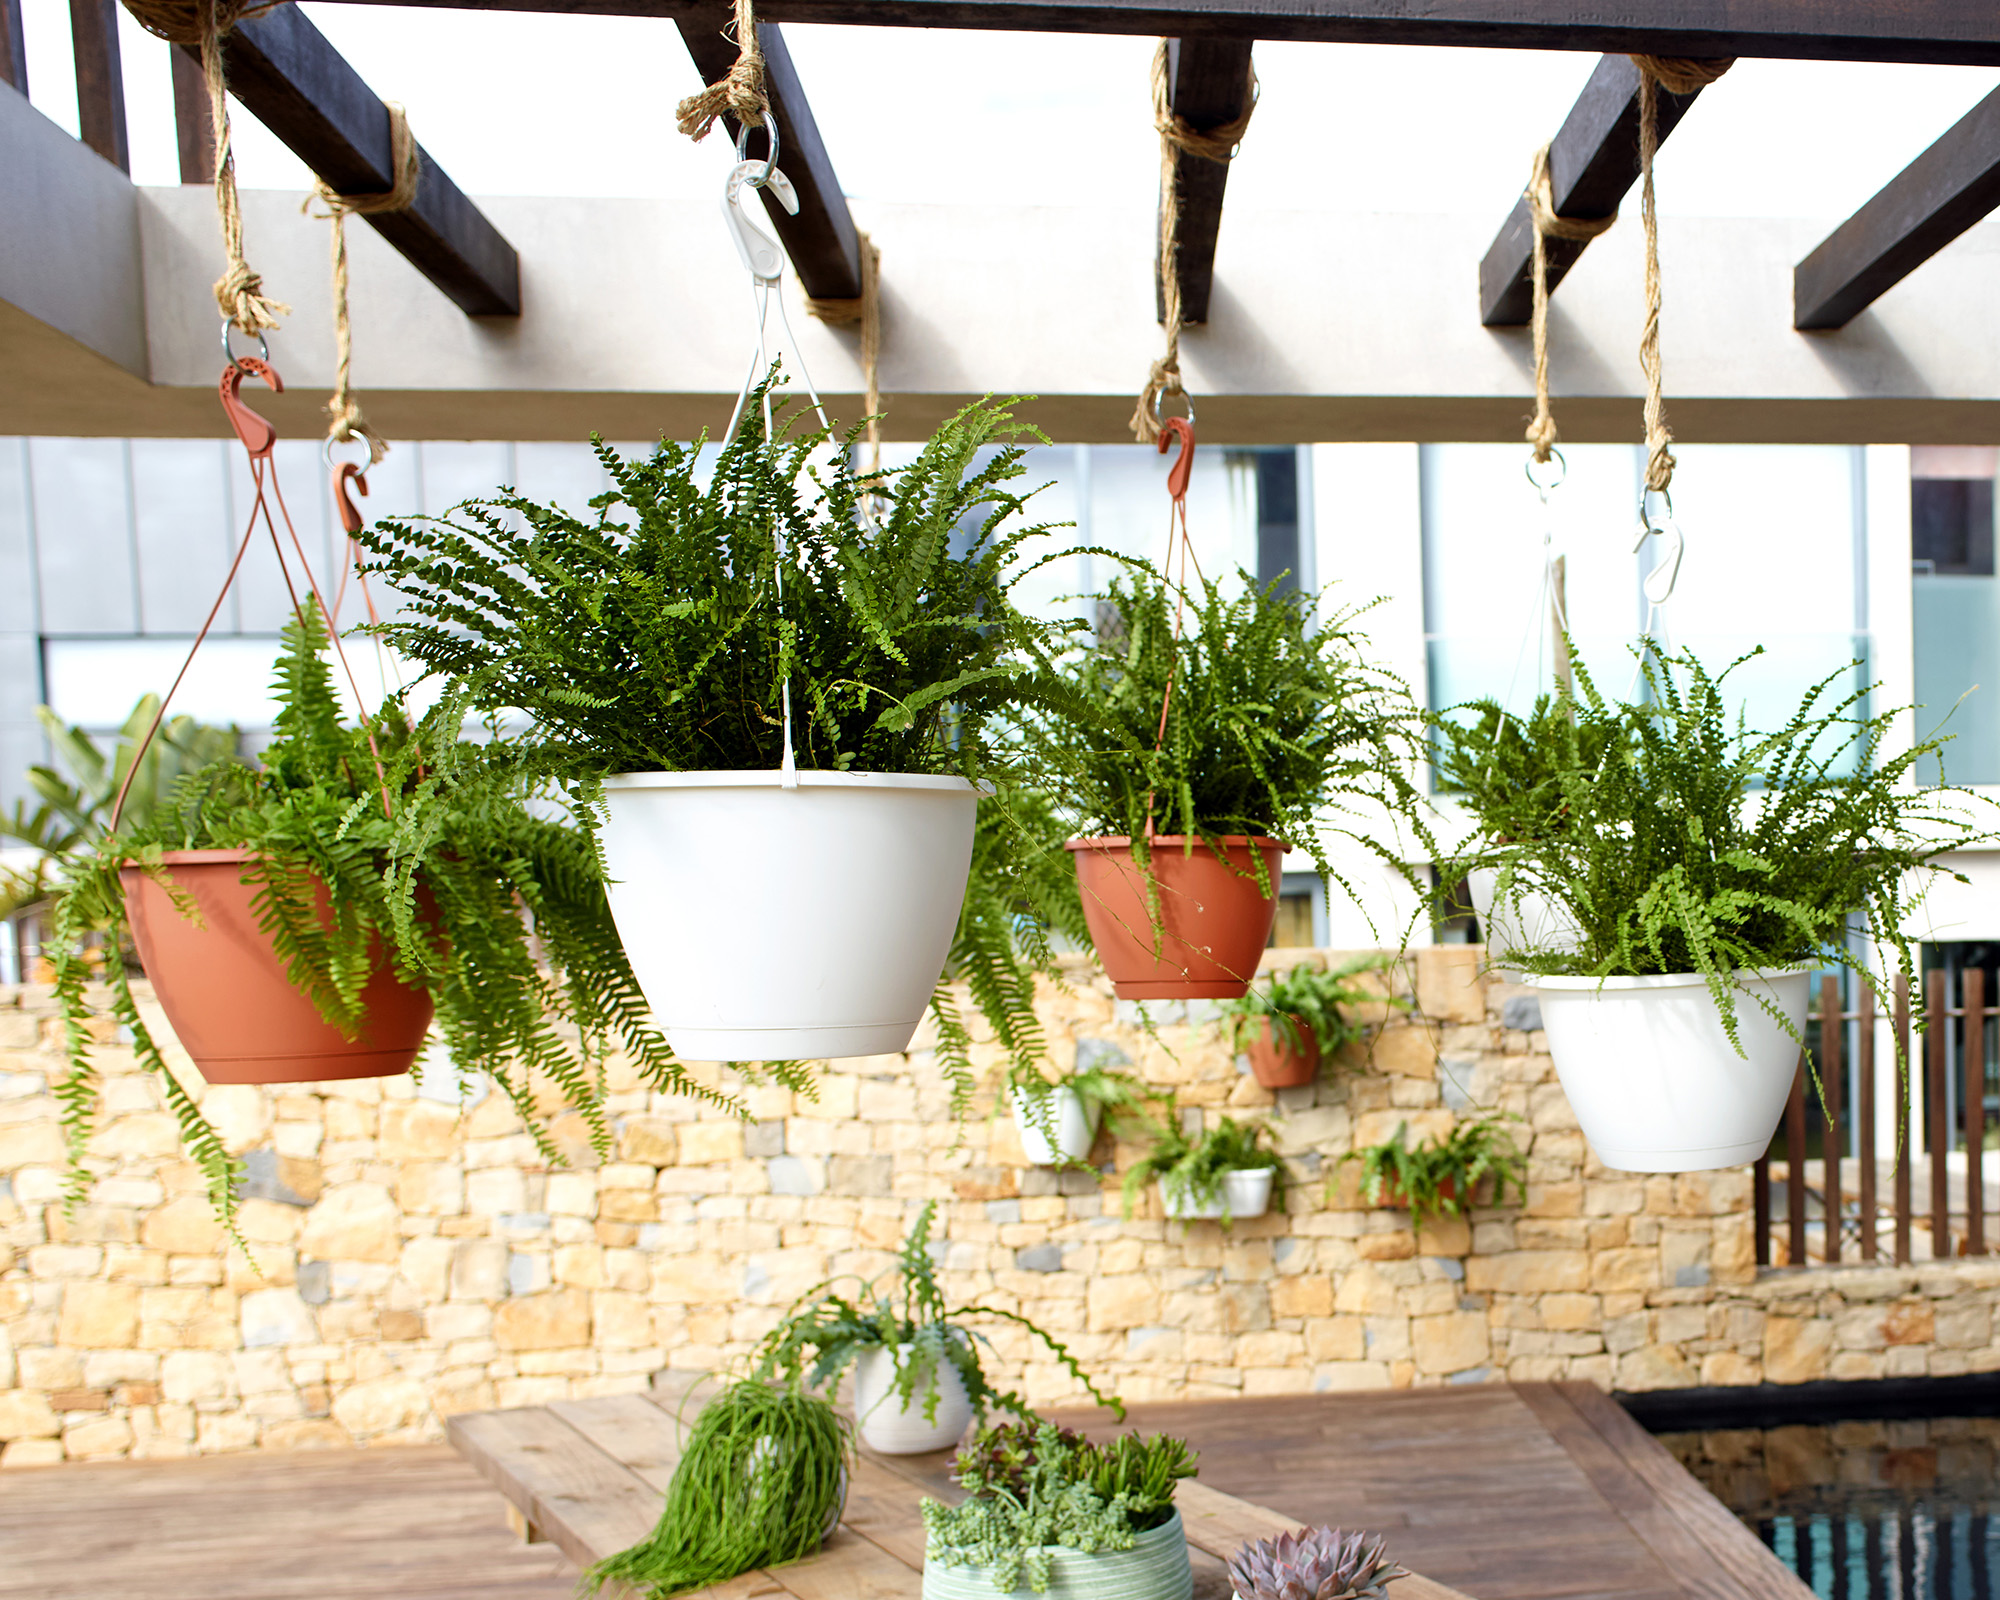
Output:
x=232 y=1004
x=1214 y=917
x=1393 y=1198
x=1277 y=1063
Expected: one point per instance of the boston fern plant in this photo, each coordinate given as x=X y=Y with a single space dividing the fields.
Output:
x=1437 y=1180
x=1677 y=839
x=1307 y=998
x=822 y=1334
x=475 y=892
x=1190 y=1168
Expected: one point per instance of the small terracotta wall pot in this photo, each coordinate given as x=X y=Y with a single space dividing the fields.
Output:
x=233 y=1006
x=1214 y=918
x=1393 y=1198
x=1277 y=1064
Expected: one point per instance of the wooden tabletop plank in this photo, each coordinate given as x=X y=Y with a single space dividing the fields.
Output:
x=1222 y=1525
x=883 y=1508
x=849 y=1567
x=584 y=1502
x=631 y=1429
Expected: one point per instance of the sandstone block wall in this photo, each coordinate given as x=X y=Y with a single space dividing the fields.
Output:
x=415 y=1257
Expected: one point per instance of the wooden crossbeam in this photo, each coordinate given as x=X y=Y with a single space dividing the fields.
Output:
x=1921 y=210
x=285 y=71
x=194 y=130
x=820 y=240
x=1208 y=86
x=1593 y=162
x=1958 y=32
x=13 y=47
x=100 y=79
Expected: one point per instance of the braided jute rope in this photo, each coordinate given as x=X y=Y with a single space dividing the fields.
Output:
x=345 y=420
x=1542 y=209
x=740 y=91
x=1212 y=144
x=1677 y=76
x=239 y=292
x=865 y=309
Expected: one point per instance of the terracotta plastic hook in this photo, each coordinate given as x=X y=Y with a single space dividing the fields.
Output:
x=343 y=475
x=1171 y=430
x=256 y=432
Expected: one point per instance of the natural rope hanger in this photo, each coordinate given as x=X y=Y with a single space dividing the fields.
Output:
x=866 y=310
x=1176 y=138
x=239 y=291
x=740 y=91
x=1542 y=209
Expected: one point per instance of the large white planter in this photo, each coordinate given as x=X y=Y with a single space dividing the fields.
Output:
x=769 y=924
x=892 y=1429
x=1155 y=1568
x=1653 y=1079
x=1537 y=923
x=1244 y=1193
x=1075 y=1128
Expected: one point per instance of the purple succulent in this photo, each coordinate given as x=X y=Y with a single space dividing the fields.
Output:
x=1312 y=1564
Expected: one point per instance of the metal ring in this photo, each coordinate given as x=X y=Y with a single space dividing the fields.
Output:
x=1646 y=521
x=770 y=162
x=326 y=453
x=1555 y=483
x=236 y=361
x=1160 y=400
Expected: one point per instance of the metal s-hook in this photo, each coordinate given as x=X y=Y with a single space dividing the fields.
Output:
x=257 y=434
x=1178 y=430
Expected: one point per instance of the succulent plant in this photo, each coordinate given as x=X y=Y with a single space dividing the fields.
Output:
x=1312 y=1564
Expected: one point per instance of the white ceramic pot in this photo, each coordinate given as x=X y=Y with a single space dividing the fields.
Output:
x=1653 y=1079
x=1245 y=1193
x=772 y=924
x=1537 y=923
x=1075 y=1128
x=1155 y=1568
x=892 y=1429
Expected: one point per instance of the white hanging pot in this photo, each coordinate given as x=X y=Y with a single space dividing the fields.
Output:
x=1653 y=1079
x=1535 y=923
x=775 y=924
x=1075 y=1127
x=893 y=1429
x=1245 y=1192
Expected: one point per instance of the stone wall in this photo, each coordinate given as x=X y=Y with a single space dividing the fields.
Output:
x=415 y=1257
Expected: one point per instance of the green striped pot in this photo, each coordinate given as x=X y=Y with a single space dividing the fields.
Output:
x=1156 y=1568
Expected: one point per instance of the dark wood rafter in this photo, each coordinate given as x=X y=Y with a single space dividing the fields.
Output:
x=194 y=130
x=286 y=73
x=1921 y=210
x=820 y=240
x=1208 y=87
x=1956 y=32
x=13 y=47
x=100 y=80
x=1593 y=163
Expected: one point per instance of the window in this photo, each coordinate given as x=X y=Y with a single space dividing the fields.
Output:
x=1955 y=608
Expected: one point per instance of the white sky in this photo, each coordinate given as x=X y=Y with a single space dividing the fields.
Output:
x=516 y=104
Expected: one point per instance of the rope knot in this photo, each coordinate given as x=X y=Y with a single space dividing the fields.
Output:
x=1682 y=74
x=740 y=92
x=239 y=293
x=1211 y=144
x=1164 y=379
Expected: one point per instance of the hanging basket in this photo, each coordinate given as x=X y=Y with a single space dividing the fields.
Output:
x=775 y=924
x=1277 y=1063
x=1214 y=917
x=1155 y=1568
x=231 y=1001
x=1654 y=1081
x=1535 y=922
x=1074 y=1123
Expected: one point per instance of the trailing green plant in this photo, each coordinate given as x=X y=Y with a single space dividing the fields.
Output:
x=904 y=1312
x=1277 y=723
x=1313 y=1564
x=1190 y=1168
x=761 y=1482
x=1307 y=998
x=1684 y=841
x=1032 y=1487
x=438 y=860
x=1509 y=770
x=1437 y=1179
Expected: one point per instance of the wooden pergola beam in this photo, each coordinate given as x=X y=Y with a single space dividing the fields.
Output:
x=1921 y=210
x=1593 y=162
x=1956 y=32
x=13 y=47
x=1208 y=86
x=194 y=132
x=286 y=72
x=100 y=79
x=820 y=240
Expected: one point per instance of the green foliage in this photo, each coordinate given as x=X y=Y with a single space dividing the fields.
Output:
x=1509 y=770
x=762 y=1482
x=1276 y=720
x=1190 y=1170
x=1679 y=840
x=1032 y=1486
x=1437 y=1180
x=471 y=887
x=824 y=1332
x=662 y=635
x=1310 y=996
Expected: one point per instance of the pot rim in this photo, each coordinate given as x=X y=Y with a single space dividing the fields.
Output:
x=1123 y=841
x=196 y=858
x=1627 y=983
x=771 y=778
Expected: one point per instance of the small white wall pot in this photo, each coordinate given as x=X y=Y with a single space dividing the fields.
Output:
x=1536 y=923
x=1653 y=1079
x=1245 y=1192
x=1075 y=1127
x=1155 y=1568
x=893 y=1429
x=775 y=924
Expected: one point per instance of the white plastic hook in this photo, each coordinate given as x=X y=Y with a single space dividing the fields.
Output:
x=760 y=252
x=1659 y=584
